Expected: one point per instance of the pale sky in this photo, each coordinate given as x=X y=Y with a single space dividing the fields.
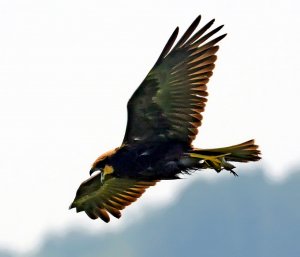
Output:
x=68 y=68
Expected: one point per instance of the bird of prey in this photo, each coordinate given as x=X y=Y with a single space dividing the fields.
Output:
x=164 y=114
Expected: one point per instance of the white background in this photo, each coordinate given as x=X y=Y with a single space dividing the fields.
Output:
x=67 y=69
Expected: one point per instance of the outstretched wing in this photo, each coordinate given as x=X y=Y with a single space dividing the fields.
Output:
x=99 y=199
x=169 y=102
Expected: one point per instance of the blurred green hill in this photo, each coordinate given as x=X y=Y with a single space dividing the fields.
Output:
x=248 y=216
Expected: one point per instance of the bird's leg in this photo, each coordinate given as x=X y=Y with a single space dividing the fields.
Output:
x=218 y=163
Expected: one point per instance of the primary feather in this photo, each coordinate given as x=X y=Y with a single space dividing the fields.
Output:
x=169 y=102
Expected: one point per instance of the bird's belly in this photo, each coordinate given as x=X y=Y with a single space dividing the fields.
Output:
x=151 y=162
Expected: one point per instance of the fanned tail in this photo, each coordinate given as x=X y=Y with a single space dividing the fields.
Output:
x=219 y=158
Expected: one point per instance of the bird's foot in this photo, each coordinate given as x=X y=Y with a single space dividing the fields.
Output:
x=233 y=173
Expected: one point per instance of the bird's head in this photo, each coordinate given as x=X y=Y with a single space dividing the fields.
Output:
x=98 y=165
x=102 y=161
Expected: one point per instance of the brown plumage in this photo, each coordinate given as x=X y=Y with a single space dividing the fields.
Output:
x=164 y=114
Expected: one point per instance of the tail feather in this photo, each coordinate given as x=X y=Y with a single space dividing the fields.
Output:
x=218 y=158
x=244 y=152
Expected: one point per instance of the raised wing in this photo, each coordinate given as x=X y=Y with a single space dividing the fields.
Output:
x=99 y=199
x=168 y=103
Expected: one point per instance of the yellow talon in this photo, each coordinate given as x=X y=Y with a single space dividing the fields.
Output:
x=207 y=157
x=217 y=162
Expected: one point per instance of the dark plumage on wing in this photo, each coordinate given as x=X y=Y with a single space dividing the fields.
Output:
x=164 y=114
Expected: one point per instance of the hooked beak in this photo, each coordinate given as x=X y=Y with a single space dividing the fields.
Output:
x=92 y=170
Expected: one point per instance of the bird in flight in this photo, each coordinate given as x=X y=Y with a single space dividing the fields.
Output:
x=164 y=114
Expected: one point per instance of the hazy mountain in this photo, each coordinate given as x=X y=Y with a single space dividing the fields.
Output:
x=248 y=216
